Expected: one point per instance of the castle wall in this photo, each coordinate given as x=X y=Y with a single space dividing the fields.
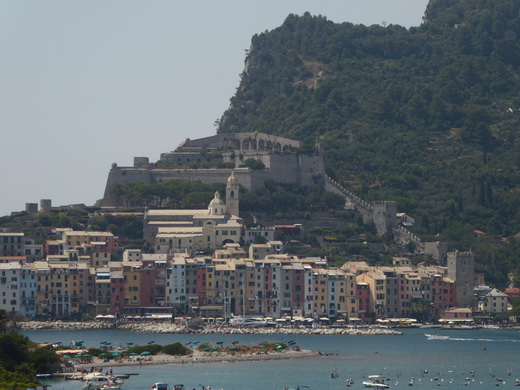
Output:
x=278 y=154
x=438 y=251
x=205 y=176
x=123 y=176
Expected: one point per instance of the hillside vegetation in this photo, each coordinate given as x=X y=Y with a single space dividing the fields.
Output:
x=426 y=116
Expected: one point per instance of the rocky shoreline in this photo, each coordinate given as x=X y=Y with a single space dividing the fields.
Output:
x=166 y=327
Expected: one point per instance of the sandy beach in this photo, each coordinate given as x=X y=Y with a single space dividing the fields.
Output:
x=199 y=357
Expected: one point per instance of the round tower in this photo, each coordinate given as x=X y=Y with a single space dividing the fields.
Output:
x=232 y=193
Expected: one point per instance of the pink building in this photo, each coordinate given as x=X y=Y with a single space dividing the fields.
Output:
x=443 y=294
x=457 y=315
x=153 y=283
x=363 y=295
x=117 y=293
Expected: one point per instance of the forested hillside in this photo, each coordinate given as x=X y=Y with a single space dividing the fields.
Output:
x=427 y=116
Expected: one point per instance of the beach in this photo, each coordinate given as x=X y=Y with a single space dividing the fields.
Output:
x=196 y=358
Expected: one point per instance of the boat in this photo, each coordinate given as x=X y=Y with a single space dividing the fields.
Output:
x=98 y=381
x=349 y=382
x=160 y=386
x=247 y=321
x=165 y=386
x=376 y=382
x=436 y=336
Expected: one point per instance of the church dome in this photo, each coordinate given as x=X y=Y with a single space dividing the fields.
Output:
x=216 y=200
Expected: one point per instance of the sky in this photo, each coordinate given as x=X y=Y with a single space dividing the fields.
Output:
x=84 y=84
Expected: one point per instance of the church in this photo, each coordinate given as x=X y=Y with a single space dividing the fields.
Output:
x=188 y=231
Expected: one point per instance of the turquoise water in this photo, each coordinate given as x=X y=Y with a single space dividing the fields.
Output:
x=491 y=354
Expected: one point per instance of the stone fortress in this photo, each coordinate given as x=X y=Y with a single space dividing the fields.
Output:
x=214 y=159
x=281 y=157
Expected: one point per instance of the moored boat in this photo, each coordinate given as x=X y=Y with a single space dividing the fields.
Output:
x=160 y=386
x=98 y=381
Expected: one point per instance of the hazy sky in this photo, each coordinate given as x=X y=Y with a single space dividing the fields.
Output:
x=84 y=84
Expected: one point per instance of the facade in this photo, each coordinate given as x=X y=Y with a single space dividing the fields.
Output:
x=493 y=302
x=18 y=288
x=12 y=244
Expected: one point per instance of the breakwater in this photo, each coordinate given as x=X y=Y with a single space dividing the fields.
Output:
x=174 y=328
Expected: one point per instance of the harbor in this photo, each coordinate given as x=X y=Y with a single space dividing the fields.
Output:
x=410 y=359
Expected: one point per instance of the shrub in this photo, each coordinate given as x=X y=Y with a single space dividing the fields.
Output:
x=175 y=349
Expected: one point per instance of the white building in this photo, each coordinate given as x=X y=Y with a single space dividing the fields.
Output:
x=494 y=302
x=18 y=284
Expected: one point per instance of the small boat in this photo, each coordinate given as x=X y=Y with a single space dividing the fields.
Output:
x=436 y=336
x=98 y=381
x=376 y=382
x=349 y=382
x=160 y=386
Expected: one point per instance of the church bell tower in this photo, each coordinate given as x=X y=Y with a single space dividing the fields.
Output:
x=232 y=192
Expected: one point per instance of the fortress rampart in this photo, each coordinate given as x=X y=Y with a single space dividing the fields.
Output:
x=281 y=157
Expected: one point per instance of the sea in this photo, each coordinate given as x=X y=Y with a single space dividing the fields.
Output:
x=478 y=358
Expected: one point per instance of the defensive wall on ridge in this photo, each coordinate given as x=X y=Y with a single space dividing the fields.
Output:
x=283 y=161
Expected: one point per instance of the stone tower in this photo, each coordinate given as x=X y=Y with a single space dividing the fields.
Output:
x=232 y=193
x=385 y=218
x=461 y=268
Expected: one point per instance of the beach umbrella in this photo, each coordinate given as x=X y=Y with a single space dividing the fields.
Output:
x=67 y=357
x=77 y=356
x=116 y=354
x=279 y=346
x=261 y=346
x=104 y=354
x=214 y=350
x=57 y=342
x=220 y=342
x=232 y=349
x=145 y=353
x=118 y=343
x=132 y=353
x=86 y=355
x=235 y=342
x=207 y=349
x=124 y=351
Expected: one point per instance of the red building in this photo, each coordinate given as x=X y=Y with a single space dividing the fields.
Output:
x=117 y=293
x=512 y=292
x=363 y=294
x=443 y=294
